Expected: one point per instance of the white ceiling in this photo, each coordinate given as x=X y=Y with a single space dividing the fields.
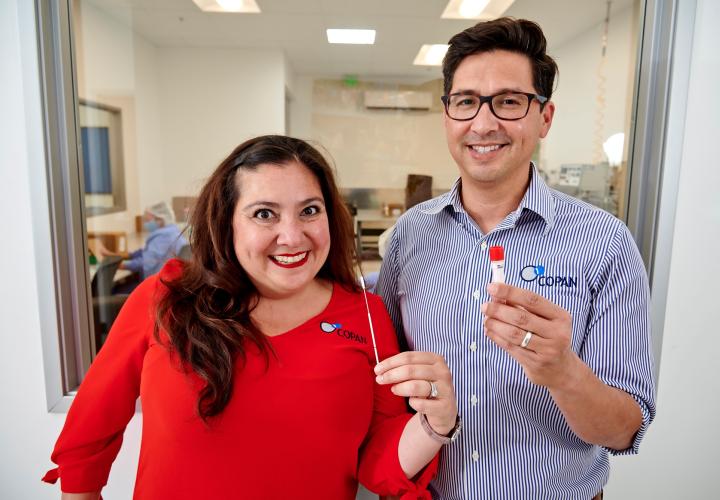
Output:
x=298 y=28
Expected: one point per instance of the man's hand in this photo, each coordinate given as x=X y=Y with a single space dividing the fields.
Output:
x=411 y=373
x=548 y=356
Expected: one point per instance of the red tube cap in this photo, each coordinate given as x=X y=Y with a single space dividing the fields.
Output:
x=497 y=253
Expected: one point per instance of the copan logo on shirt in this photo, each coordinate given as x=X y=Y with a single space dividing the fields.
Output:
x=340 y=332
x=537 y=273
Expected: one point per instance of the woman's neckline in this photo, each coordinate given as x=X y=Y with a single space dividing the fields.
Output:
x=299 y=326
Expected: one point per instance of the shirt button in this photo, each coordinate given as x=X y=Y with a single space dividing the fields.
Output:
x=474 y=400
x=473 y=346
x=483 y=245
x=476 y=295
x=475 y=455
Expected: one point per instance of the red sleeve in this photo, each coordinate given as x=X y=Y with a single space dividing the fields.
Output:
x=105 y=401
x=380 y=469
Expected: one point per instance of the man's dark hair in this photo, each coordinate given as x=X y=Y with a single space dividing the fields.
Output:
x=507 y=33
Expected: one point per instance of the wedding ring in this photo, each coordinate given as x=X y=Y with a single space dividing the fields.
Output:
x=433 y=390
x=526 y=340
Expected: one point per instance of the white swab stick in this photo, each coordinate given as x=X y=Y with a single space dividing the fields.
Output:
x=372 y=330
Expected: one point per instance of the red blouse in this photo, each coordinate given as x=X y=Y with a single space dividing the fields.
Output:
x=308 y=425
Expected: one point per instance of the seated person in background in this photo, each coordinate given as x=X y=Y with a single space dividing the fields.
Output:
x=254 y=360
x=164 y=242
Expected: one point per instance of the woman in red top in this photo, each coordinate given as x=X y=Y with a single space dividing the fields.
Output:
x=254 y=361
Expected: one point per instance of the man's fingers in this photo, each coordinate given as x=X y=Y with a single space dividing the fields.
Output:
x=515 y=317
x=531 y=301
x=518 y=321
x=509 y=337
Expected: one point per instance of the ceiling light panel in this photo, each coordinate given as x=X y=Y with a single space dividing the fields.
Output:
x=353 y=36
x=483 y=10
x=430 y=55
x=241 y=6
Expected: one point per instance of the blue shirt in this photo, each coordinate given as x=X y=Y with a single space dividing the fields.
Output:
x=162 y=244
x=515 y=443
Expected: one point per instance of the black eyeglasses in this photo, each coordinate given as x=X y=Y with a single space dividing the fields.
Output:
x=506 y=105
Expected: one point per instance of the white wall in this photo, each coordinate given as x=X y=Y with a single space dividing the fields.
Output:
x=301 y=97
x=679 y=457
x=211 y=101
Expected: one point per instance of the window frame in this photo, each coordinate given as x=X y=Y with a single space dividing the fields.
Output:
x=66 y=306
x=67 y=342
x=659 y=104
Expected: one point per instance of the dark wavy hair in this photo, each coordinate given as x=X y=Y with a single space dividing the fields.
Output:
x=206 y=310
x=506 y=33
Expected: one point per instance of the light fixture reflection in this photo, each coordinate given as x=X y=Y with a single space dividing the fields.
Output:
x=472 y=8
x=482 y=10
x=430 y=55
x=614 y=148
x=242 y=6
x=351 y=36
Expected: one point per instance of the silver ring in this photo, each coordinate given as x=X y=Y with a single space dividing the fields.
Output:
x=526 y=340
x=433 y=390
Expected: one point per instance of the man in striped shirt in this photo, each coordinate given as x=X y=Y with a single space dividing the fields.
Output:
x=552 y=370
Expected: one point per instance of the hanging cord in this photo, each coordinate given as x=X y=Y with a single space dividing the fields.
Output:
x=598 y=153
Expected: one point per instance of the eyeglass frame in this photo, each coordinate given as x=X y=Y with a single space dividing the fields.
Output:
x=541 y=99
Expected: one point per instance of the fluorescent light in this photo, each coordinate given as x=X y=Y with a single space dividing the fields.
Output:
x=472 y=8
x=430 y=55
x=244 y=6
x=476 y=9
x=366 y=37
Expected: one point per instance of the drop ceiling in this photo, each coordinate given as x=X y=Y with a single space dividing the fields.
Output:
x=298 y=28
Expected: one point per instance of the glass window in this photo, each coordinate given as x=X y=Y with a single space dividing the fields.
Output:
x=163 y=91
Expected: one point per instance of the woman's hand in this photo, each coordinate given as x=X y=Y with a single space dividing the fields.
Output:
x=416 y=375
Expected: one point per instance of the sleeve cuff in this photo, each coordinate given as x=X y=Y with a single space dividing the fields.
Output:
x=647 y=417
x=79 y=481
x=52 y=476
x=418 y=486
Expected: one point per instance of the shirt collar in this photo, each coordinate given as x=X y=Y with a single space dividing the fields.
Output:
x=538 y=198
x=451 y=198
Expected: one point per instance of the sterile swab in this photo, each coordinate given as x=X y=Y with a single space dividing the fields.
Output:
x=372 y=330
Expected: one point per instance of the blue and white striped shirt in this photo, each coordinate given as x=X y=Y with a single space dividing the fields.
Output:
x=162 y=244
x=515 y=443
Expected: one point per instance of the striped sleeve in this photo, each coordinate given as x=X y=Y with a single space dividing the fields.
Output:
x=619 y=322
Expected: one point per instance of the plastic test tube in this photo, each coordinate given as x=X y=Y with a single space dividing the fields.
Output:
x=497 y=264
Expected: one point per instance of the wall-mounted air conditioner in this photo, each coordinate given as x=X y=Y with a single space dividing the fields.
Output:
x=397 y=99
